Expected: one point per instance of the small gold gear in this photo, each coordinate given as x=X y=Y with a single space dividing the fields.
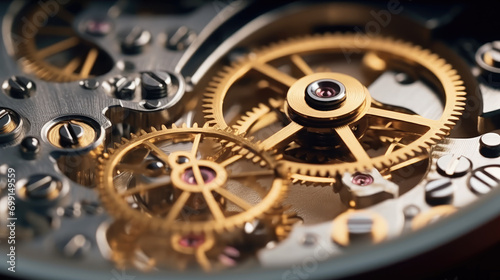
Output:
x=145 y=250
x=168 y=180
x=343 y=120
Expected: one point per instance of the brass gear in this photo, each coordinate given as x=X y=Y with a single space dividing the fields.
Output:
x=145 y=250
x=157 y=197
x=356 y=106
x=55 y=52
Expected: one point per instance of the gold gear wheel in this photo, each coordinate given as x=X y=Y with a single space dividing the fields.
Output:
x=346 y=117
x=55 y=52
x=168 y=180
x=208 y=251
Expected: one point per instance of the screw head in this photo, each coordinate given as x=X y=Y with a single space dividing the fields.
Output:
x=5 y=120
x=124 y=88
x=309 y=239
x=403 y=78
x=135 y=40
x=70 y=134
x=156 y=84
x=360 y=228
x=151 y=104
x=484 y=179
x=411 y=211
x=19 y=87
x=89 y=84
x=76 y=246
x=492 y=56
x=490 y=145
x=30 y=146
x=180 y=39
x=9 y=124
x=439 y=192
x=42 y=187
x=453 y=165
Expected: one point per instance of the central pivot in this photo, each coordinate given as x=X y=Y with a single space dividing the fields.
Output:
x=207 y=173
x=327 y=100
x=325 y=94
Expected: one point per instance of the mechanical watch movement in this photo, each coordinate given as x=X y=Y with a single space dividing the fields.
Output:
x=251 y=139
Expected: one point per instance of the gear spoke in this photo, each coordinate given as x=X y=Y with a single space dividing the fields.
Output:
x=274 y=74
x=212 y=204
x=282 y=137
x=157 y=151
x=143 y=189
x=89 y=62
x=402 y=117
x=300 y=63
x=58 y=47
x=231 y=160
x=72 y=65
x=198 y=176
x=132 y=168
x=177 y=207
x=196 y=144
x=326 y=101
x=56 y=30
x=235 y=199
x=352 y=143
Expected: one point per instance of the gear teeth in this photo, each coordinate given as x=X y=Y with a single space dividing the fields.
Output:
x=242 y=145
x=453 y=84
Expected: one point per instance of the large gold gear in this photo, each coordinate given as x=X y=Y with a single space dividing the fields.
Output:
x=357 y=105
x=189 y=180
x=67 y=57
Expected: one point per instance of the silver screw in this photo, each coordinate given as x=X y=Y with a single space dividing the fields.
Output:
x=309 y=239
x=41 y=186
x=156 y=84
x=451 y=165
x=76 y=247
x=181 y=38
x=490 y=145
x=152 y=104
x=124 y=88
x=411 y=211
x=403 y=78
x=5 y=120
x=492 y=57
x=135 y=40
x=89 y=84
x=30 y=146
x=19 y=87
x=485 y=178
x=439 y=191
x=70 y=134
x=360 y=228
